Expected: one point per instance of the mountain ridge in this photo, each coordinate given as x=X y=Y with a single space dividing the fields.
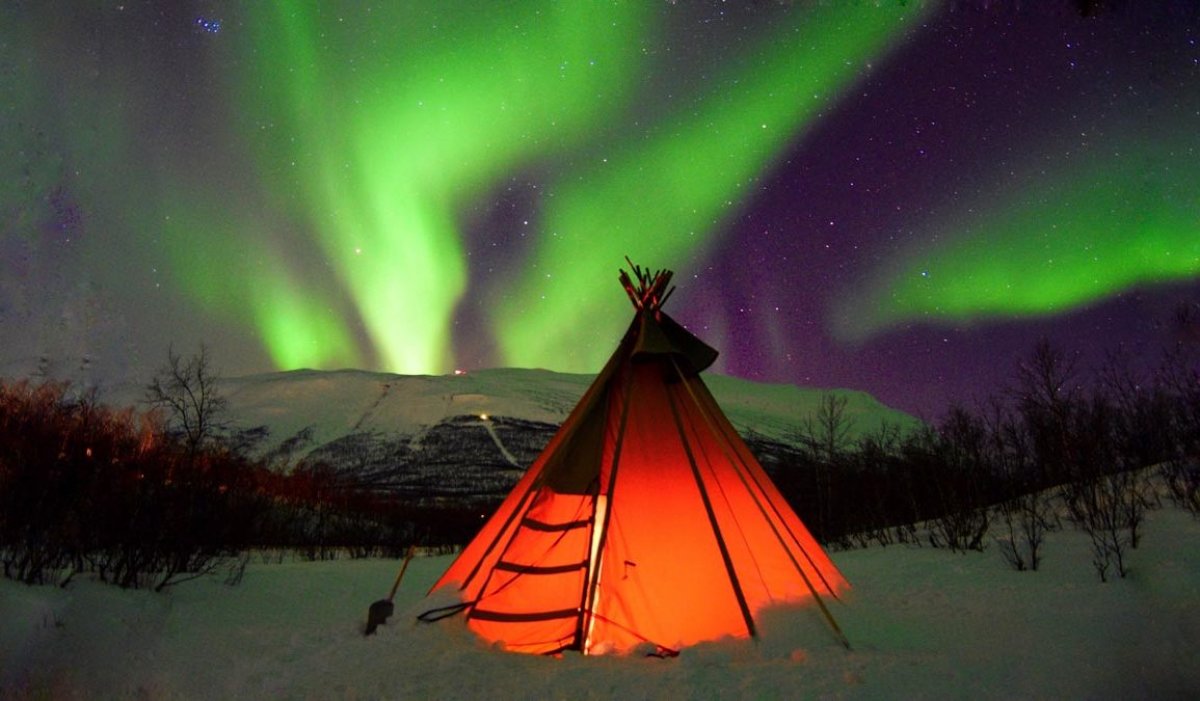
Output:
x=470 y=434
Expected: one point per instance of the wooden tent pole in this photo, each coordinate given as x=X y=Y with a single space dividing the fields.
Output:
x=808 y=583
x=534 y=485
x=737 y=459
x=516 y=512
x=712 y=516
x=591 y=582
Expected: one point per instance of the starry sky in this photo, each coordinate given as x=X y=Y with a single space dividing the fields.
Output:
x=895 y=197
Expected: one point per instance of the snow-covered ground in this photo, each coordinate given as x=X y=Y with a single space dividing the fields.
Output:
x=924 y=624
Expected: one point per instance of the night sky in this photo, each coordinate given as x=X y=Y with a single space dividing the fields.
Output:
x=897 y=197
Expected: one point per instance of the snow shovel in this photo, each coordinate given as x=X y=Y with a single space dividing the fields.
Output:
x=382 y=610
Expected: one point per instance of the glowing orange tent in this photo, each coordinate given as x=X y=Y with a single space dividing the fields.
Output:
x=646 y=520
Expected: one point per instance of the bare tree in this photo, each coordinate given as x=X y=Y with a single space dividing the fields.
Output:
x=827 y=433
x=186 y=389
x=826 y=437
x=1179 y=380
x=1026 y=513
x=1048 y=397
x=960 y=471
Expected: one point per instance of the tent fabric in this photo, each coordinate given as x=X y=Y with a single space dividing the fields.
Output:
x=646 y=520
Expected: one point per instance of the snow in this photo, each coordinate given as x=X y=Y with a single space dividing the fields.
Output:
x=924 y=623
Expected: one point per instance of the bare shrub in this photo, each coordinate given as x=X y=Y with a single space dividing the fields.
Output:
x=960 y=477
x=84 y=488
x=1183 y=484
x=825 y=439
x=1025 y=519
x=1098 y=513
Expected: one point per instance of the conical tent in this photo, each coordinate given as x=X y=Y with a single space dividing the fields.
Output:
x=646 y=520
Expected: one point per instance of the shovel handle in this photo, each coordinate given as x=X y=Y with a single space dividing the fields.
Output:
x=396 y=585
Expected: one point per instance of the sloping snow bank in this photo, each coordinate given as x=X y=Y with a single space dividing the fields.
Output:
x=924 y=623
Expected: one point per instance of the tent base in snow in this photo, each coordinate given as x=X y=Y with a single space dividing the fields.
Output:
x=646 y=521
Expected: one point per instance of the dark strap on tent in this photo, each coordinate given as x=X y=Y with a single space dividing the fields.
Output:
x=535 y=525
x=505 y=617
x=437 y=614
x=540 y=569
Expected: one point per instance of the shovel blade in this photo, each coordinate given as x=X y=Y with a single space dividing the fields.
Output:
x=378 y=614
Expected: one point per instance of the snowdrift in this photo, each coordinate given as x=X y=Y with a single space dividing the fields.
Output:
x=924 y=623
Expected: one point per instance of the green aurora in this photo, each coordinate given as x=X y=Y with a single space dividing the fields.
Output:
x=1059 y=241
x=374 y=143
x=306 y=178
x=391 y=134
x=665 y=197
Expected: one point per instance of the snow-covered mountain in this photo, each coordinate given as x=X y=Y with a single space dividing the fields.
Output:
x=471 y=434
